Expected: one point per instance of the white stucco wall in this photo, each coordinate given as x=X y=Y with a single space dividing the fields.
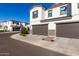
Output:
x=8 y=24
x=40 y=12
x=75 y=14
x=43 y=14
x=55 y=13
x=51 y=26
x=75 y=9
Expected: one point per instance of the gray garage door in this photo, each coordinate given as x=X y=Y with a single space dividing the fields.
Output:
x=40 y=29
x=70 y=30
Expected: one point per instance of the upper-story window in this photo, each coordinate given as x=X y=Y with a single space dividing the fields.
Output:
x=63 y=10
x=49 y=13
x=35 y=14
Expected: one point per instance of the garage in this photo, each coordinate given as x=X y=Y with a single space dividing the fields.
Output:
x=40 y=29
x=69 y=30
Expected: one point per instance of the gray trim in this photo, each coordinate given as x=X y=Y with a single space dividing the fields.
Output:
x=41 y=24
x=69 y=9
x=57 y=19
x=68 y=22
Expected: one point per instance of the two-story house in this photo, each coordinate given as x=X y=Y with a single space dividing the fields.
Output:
x=61 y=20
x=11 y=25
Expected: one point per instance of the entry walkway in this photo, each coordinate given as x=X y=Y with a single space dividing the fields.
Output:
x=66 y=46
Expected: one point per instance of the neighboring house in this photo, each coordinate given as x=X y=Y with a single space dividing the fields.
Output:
x=11 y=25
x=24 y=24
x=61 y=20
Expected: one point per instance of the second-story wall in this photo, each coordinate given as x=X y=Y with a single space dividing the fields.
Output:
x=56 y=11
x=43 y=14
x=40 y=13
x=71 y=10
x=75 y=9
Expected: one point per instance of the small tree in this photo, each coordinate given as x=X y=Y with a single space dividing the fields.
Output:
x=24 y=31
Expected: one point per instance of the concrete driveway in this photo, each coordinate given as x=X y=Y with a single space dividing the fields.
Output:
x=68 y=46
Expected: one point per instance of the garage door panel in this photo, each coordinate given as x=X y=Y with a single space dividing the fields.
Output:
x=70 y=30
x=40 y=29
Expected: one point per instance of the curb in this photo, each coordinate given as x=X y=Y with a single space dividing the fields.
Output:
x=9 y=32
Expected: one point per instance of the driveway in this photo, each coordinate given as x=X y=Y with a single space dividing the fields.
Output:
x=11 y=47
x=67 y=46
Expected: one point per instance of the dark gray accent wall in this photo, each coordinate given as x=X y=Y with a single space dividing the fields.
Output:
x=69 y=15
x=57 y=19
x=68 y=30
x=69 y=11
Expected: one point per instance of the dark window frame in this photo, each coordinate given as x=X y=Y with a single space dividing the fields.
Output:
x=35 y=15
x=65 y=10
x=49 y=14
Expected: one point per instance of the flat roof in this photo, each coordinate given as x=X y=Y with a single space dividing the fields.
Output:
x=53 y=6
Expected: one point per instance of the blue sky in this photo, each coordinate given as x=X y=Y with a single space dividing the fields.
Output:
x=17 y=11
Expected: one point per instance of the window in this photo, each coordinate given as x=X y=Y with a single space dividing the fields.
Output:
x=35 y=14
x=63 y=10
x=49 y=13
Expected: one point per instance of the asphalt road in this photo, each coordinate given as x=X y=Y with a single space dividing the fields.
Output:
x=11 y=47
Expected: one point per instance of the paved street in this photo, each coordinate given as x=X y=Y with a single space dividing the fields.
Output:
x=11 y=47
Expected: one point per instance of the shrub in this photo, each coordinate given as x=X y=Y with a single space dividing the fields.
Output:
x=1 y=30
x=24 y=31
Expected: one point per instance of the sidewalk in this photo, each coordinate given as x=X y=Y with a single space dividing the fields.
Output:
x=10 y=32
x=62 y=45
